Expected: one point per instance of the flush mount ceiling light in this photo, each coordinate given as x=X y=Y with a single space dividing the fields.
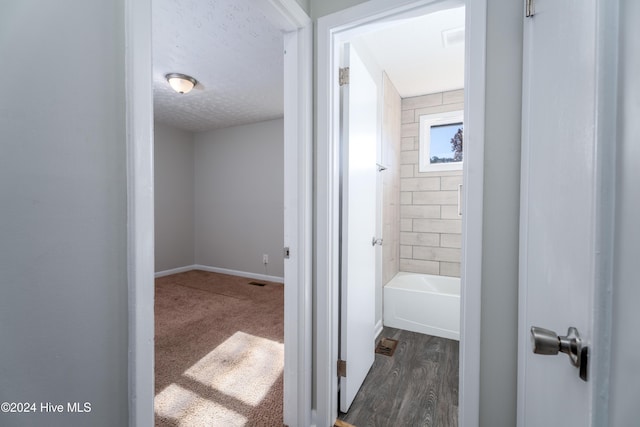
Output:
x=181 y=83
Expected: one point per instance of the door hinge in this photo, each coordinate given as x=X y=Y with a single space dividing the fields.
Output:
x=344 y=76
x=342 y=368
x=530 y=8
x=287 y=252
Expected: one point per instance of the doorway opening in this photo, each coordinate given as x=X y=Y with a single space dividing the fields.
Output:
x=279 y=147
x=434 y=193
x=415 y=92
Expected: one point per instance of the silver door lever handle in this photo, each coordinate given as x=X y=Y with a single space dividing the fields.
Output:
x=548 y=342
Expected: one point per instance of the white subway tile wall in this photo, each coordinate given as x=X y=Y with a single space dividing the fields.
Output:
x=430 y=227
x=391 y=148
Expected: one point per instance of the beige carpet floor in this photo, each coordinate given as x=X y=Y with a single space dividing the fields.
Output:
x=219 y=352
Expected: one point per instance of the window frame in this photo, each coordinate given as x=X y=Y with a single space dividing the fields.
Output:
x=426 y=122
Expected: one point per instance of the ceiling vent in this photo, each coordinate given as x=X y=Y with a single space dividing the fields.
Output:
x=453 y=37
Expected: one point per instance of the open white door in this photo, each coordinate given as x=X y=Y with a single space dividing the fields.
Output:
x=559 y=260
x=358 y=210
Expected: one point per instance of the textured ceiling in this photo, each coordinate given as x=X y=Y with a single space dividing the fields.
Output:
x=233 y=51
x=413 y=54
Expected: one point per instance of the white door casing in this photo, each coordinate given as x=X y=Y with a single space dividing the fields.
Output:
x=562 y=263
x=332 y=31
x=358 y=212
x=290 y=17
x=297 y=224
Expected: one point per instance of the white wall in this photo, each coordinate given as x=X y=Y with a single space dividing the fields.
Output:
x=239 y=198
x=63 y=210
x=174 y=198
x=625 y=377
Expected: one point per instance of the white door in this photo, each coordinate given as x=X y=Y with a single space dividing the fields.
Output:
x=558 y=261
x=358 y=210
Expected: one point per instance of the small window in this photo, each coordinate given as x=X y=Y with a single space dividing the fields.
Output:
x=441 y=141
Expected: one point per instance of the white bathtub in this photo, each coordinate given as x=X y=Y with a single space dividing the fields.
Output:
x=423 y=303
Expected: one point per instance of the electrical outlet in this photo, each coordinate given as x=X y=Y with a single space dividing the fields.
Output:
x=265 y=259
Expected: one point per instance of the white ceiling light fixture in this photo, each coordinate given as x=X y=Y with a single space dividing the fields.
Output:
x=181 y=83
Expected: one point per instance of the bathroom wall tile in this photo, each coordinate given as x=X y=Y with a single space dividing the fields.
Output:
x=430 y=236
x=390 y=220
x=422 y=101
x=407 y=116
x=406 y=252
x=451 y=240
x=389 y=251
x=451 y=182
x=435 y=197
x=408 y=157
x=422 y=211
x=450 y=212
x=406 y=171
x=419 y=239
x=406 y=198
x=410 y=129
x=419 y=174
x=436 y=109
x=436 y=254
x=420 y=184
x=453 y=97
x=408 y=144
x=450 y=269
x=391 y=146
x=437 y=226
x=419 y=266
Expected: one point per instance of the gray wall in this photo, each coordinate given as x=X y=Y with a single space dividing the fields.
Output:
x=239 y=198
x=304 y=4
x=174 y=197
x=499 y=317
x=63 y=212
x=321 y=8
x=625 y=378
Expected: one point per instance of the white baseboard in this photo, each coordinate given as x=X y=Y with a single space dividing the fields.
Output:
x=377 y=329
x=239 y=273
x=175 y=270
x=256 y=276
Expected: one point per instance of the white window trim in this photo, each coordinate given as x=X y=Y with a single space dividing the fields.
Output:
x=426 y=122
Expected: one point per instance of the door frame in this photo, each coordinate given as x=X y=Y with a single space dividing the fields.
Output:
x=297 y=26
x=332 y=31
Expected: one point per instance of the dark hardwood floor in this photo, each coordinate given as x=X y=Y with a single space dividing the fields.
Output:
x=417 y=386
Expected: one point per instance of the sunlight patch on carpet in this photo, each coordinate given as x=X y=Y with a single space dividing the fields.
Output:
x=190 y=409
x=244 y=367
